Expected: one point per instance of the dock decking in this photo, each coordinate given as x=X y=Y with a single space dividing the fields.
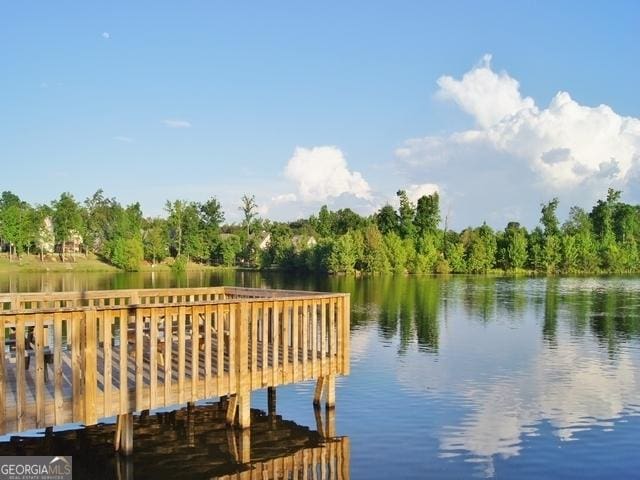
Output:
x=91 y=355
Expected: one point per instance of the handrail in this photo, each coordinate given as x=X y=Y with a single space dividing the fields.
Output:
x=96 y=361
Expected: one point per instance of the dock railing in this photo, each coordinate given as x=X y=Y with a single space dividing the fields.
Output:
x=83 y=356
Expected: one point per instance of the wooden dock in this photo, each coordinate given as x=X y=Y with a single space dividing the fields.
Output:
x=83 y=356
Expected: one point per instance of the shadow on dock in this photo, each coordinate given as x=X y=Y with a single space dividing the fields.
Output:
x=195 y=443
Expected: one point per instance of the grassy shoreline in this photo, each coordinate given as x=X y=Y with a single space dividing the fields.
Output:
x=90 y=264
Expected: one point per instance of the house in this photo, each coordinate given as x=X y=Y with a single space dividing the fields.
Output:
x=264 y=243
x=302 y=242
x=72 y=245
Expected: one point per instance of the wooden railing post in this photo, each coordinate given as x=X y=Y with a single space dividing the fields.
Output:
x=243 y=379
x=90 y=367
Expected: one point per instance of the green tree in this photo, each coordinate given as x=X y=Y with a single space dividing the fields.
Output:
x=154 y=240
x=249 y=209
x=67 y=220
x=513 y=247
x=406 y=214
x=427 y=217
x=387 y=220
x=343 y=255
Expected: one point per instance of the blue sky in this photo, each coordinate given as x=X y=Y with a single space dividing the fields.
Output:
x=159 y=100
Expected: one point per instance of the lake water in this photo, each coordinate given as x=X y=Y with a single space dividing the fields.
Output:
x=457 y=377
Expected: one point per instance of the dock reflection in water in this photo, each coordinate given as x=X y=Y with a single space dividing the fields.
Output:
x=195 y=443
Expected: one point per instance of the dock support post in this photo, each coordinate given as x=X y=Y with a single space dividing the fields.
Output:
x=123 y=441
x=232 y=405
x=271 y=401
x=244 y=410
x=330 y=386
x=325 y=385
x=317 y=394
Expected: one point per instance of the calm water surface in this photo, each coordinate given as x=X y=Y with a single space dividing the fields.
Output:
x=460 y=377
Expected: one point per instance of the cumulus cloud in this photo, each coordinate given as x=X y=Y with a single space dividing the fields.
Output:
x=284 y=198
x=175 y=123
x=106 y=35
x=321 y=173
x=414 y=192
x=524 y=154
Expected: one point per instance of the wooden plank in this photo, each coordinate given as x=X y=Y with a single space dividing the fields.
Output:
x=346 y=335
x=220 y=352
x=107 y=368
x=286 y=324
x=168 y=360
x=208 y=311
x=57 y=367
x=275 y=379
x=21 y=382
x=233 y=364
x=76 y=366
x=3 y=377
x=305 y=337
x=314 y=339
x=153 y=359
x=265 y=343
x=242 y=353
x=254 y=344
x=323 y=337
x=39 y=367
x=90 y=368
x=181 y=352
x=124 y=358
x=195 y=351
x=296 y=322
x=139 y=339
x=332 y=335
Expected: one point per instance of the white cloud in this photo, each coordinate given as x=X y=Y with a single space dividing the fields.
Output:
x=321 y=173
x=175 y=123
x=106 y=35
x=284 y=198
x=520 y=155
x=123 y=139
x=487 y=96
x=414 y=192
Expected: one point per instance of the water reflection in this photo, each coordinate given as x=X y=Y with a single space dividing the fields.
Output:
x=194 y=443
x=494 y=363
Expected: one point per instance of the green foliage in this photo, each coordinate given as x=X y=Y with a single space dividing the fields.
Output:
x=427 y=215
x=179 y=264
x=406 y=240
x=228 y=249
x=127 y=253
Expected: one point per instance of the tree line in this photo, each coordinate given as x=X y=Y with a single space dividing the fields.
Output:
x=407 y=239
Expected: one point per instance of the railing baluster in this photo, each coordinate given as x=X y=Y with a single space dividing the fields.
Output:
x=168 y=360
x=107 y=369
x=181 y=352
x=207 y=351
x=124 y=354
x=265 y=343
x=275 y=316
x=195 y=352
x=57 y=367
x=39 y=368
x=139 y=345
x=220 y=350
x=153 y=358
x=254 y=344
x=20 y=372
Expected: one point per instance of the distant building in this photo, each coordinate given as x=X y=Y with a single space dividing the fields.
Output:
x=264 y=243
x=72 y=245
x=302 y=242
